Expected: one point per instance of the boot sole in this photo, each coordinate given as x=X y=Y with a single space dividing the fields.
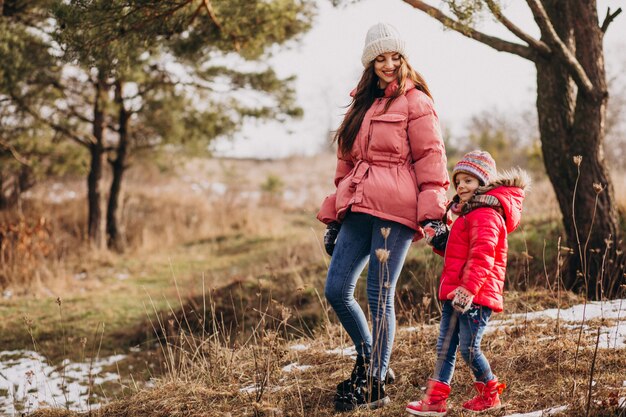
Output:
x=339 y=406
x=497 y=407
x=426 y=413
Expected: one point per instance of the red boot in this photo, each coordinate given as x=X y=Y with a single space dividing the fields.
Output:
x=488 y=397
x=434 y=402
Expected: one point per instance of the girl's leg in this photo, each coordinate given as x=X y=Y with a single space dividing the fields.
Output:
x=348 y=261
x=382 y=276
x=447 y=343
x=472 y=325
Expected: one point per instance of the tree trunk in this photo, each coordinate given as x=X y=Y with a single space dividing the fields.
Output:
x=94 y=179
x=571 y=124
x=115 y=236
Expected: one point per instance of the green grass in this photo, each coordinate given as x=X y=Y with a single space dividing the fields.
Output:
x=119 y=305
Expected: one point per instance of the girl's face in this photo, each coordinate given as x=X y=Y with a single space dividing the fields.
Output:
x=386 y=67
x=466 y=186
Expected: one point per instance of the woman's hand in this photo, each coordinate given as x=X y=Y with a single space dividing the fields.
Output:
x=461 y=299
x=436 y=234
x=330 y=237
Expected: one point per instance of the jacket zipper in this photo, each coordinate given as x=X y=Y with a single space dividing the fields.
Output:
x=445 y=255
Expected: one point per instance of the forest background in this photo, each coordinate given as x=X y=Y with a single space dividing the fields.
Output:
x=121 y=233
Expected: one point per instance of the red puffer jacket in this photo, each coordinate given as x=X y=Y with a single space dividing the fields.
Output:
x=396 y=169
x=476 y=253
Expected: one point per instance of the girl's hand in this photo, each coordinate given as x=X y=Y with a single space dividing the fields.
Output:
x=461 y=299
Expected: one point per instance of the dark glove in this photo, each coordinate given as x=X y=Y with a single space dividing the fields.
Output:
x=436 y=234
x=330 y=237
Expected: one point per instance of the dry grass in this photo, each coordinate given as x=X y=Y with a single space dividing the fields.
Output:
x=238 y=332
x=43 y=244
x=209 y=377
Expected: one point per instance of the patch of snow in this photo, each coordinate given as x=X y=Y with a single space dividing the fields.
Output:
x=295 y=367
x=351 y=351
x=249 y=389
x=299 y=347
x=27 y=381
x=612 y=309
x=410 y=329
x=58 y=194
x=613 y=337
x=540 y=413
x=610 y=337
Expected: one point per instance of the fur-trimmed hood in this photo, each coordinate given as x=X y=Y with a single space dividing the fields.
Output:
x=510 y=188
x=515 y=177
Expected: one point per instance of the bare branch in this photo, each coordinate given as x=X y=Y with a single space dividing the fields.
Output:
x=16 y=155
x=553 y=39
x=496 y=43
x=540 y=46
x=211 y=12
x=609 y=18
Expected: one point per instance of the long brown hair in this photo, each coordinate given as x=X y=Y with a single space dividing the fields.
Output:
x=364 y=97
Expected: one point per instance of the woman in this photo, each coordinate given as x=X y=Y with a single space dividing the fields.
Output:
x=391 y=180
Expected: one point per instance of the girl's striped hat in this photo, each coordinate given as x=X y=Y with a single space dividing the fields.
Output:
x=479 y=164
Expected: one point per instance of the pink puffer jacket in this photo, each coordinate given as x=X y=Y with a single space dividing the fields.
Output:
x=397 y=167
x=476 y=253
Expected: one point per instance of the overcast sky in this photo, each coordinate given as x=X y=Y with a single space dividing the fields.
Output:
x=465 y=76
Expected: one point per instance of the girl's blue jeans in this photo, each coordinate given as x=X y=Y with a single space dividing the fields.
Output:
x=359 y=238
x=464 y=331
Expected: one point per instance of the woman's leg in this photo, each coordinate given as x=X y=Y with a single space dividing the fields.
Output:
x=472 y=325
x=382 y=276
x=447 y=343
x=348 y=261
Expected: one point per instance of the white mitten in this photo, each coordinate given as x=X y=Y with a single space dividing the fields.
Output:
x=462 y=300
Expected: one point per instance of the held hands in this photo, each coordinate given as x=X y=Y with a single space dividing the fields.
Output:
x=330 y=237
x=461 y=299
x=436 y=234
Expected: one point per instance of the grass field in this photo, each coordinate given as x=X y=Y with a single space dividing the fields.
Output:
x=222 y=286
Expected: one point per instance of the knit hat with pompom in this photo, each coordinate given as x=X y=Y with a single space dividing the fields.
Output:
x=480 y=164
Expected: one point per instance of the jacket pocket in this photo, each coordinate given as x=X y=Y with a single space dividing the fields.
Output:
x=388 y=132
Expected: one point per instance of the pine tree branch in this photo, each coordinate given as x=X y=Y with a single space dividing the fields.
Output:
x=609 y=18
x=495 y=43
x=46 y=120
x=562 y=51
x=495 y=9
x=76 y=113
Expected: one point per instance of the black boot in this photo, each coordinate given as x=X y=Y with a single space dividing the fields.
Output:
x=360 y=371
x=368 y=393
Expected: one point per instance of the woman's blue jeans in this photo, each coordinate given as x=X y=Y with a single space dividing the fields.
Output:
x=464 y=331
x=359 y=238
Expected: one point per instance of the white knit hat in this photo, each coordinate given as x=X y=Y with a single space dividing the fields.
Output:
x=381 y=38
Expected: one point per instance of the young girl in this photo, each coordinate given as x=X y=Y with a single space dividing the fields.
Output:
x=472 y=280
x=391 y=182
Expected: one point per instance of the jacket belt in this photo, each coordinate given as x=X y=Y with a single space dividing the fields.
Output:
x=360 y=170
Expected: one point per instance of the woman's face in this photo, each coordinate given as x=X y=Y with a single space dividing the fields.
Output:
x=386 y=67
x=466 y=186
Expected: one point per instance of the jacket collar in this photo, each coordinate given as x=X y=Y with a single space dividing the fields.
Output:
x=392 y=87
